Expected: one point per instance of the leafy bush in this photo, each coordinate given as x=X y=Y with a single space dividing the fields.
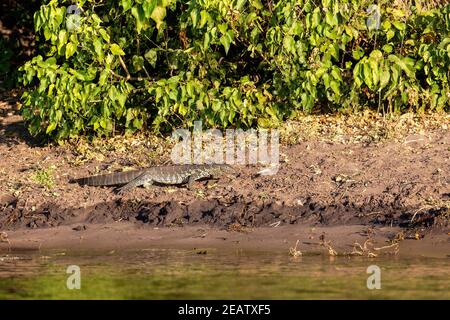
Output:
x=159 y=64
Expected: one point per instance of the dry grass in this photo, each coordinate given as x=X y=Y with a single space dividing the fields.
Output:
x=144 y=149
x=140 y=149
x=237 y=227
x=366 y=127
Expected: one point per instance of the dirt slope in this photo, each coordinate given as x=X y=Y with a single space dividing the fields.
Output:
x=394 y=182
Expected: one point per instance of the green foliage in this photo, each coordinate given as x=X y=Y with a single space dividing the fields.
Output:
x=133 y=64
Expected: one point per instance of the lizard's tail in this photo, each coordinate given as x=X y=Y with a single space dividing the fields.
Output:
x=109 y=179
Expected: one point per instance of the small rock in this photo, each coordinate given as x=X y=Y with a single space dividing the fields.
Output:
x=7 y=199
x=80 y=228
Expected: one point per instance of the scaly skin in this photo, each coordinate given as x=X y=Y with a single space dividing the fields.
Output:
x=167 y=175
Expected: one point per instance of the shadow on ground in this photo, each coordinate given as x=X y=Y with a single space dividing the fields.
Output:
x=13 y=130
x=236 y=214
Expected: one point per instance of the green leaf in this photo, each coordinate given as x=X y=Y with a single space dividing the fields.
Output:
x=104 y=35
x=104 y=77
x=151 y=56
x=58 y=115
x=257 y=4
x=149 y=6
x=333 y=49
x=357 y=75
x=116 y=50
x=62 y=40
x=406 y=64
x=216 y=106
x=225 y=41
x=399 y=25
x=206 y=41
x=130 y=115
x=377 y=55
x=121 y=98
x=331 y=19
x=240 y=4
x=367 y=72
x=70 y=50
x=390 y=34
x=289 y=44
x=139 y=15
x=388 y=48
x=335 y=87
x=182 y=109
x=104 y=123
x=137 y=123
x=194 y=17
x=315 y=18
x=358 y=53
x=336 y=74
x=375 y=71
x=223 y=27
x=385 y=76
x=138 y=62
x=50 y=127
x=98 y=47
x=158 y=15
x=126 y=4
x=190 y=89
x=204 y=17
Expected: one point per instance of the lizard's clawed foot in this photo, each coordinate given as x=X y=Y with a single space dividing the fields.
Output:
x=120 y=191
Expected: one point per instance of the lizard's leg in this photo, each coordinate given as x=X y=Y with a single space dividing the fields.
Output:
x=143 y=179
x=148 y=185
x=196 y=176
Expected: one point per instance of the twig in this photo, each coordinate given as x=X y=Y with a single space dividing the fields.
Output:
x=125 y=68
x=275 y=224
x=415 y=213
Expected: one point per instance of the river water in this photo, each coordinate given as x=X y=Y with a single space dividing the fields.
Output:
x=213 y=274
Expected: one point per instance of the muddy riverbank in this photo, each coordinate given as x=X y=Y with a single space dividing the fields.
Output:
x=292 y=240
x=335 y=179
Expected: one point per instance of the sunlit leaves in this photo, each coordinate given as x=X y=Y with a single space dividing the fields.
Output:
x=160 y=64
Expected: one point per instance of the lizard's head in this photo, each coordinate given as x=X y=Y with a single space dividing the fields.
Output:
x=223 y=168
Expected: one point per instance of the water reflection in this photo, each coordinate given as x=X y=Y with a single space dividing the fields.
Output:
x=210 y=274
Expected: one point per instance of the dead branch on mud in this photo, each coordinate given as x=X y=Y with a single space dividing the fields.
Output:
x=369 y=250
x=4 y=238
x=294 y=252
x=327 y=244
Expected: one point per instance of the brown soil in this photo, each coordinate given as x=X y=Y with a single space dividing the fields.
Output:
x=343 y=240
x=323 y=182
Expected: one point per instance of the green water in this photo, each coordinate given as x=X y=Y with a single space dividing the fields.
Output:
x=180 y=274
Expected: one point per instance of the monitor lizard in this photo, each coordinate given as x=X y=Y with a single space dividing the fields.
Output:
x=166 y=175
